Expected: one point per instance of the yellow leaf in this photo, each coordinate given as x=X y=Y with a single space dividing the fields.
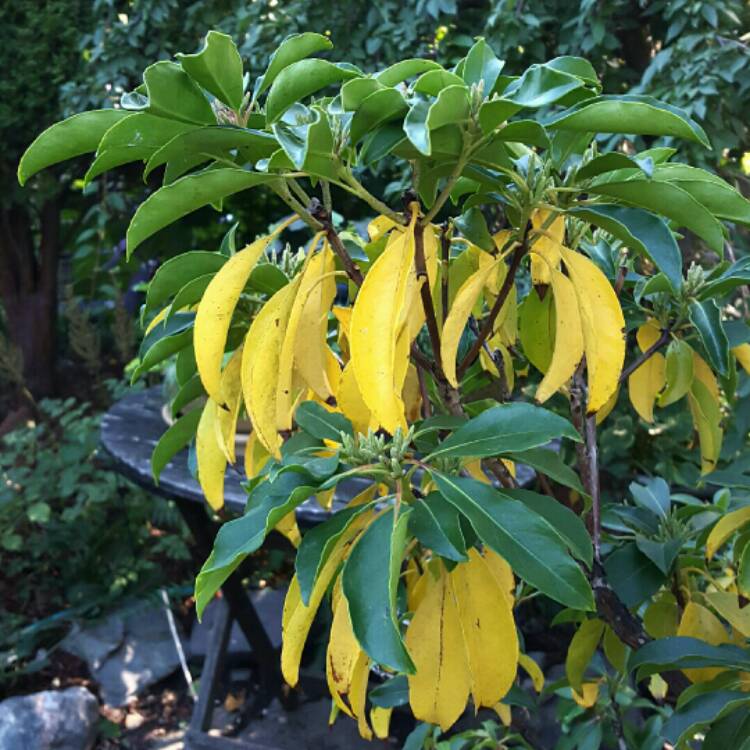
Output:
x=374 y=330
x=341 y=656
x=439 y=689
x=458 y=317
x=380 y=718
x=256 y=456
x=502 y=571
x=606 y=410
x=603 y=327
x=350 y=401
x=298 y=617
x=725 y=527
x=215 y=312
x=707 y=420
x=416 y=591
x=212 y=463
x=288 y=528
x=742 y=353
x=158 y=318
x=614 y=649
x=581 y=650
x=647 y=381
x=533 y=670
x=358 y=694
x=546 y=249
x=379 y=226
x=568 y=337
x=728 y=606
x=503 y=712
x=703 y=373
x=412 y=395
x=261 y=357
x=344 y=317
x=230 y=389
x=588 y=695
x=311 y=351
x=489 y=630
x=699 y=622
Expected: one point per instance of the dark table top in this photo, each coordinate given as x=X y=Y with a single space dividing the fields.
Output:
x=131 y=429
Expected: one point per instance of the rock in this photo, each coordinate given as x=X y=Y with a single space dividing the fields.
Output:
x=127 y=652
x=50 y=720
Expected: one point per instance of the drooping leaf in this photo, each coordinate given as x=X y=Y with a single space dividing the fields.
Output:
x=581 y=650
x=706 y=317
x=174 y=439
x=436 y=524
x=549 y=463
x=321 y=423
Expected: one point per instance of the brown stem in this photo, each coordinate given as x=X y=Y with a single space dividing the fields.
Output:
x=425 y=291
x=426 y=405
x=489 y=324
x=636 y=363
x=318 y=211
x=500 y=471
x=593 y=461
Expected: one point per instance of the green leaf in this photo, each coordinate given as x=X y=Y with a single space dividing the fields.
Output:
x=661 y=553
x=434 y=81
x=163 y=341
x=568 y=526
x=302 y=132
x=652 y=494
x=736 y=275
x=314 y=419
x=189 y=391
x=377 y=109
x=632 y=575
x=473 y=226
x=300 y=80
x=173 y=274
x=576 y=66
x=706 y=317
x=372 y=598
x=354 y=92
x=720 y=198
x=637 y=115
x=681 y=652
x=529 y=132
x=679 y=372
x=317 y=545
x=293 y=49
x=615 y=160
x=189 y=193
x=481 y=65
x=185 y=151
x=700 y=712
x=507 y=428
x=174 y=95
x=669 y=200
x=451 y=107
x=77 y=135
x=267 y=279
x=405 y=69
x=177 y=437
x=190 y=293
x=540 y=86
x=436 y=524
x=393 y=692
x=495 y=112
x=549 y=463
x=641 y=231
x=581 y=651
x=135 y=138
x=267 y=504
x=525 y=539
x=218 y=68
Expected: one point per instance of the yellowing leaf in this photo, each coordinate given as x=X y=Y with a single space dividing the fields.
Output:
x=458 y=317
x=215 y=312
x=727 y=605
x=374 y=330
x=503 y=712
x=603 y=326
x=725 y=527
x=489 y=632
x=707 y=420
x=546 y=253
x=661 y=617
x=230 y=389
x=705 y=375
x=606 y=410
x=439 y=689
x=581 y=650
x=358 y=694
x=647 y=381
x=699 y=622
x=261 y=361
x=158 y=318
x=412 y=395
x=533 y=670
x=568 y=336
x=256 y=456
x=212 y=463
x=536 y=329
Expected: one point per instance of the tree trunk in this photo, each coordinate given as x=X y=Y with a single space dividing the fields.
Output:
x=28 y=289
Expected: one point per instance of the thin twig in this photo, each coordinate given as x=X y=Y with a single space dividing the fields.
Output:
x=635 y=364
x=424 y=289
x=489 y=324
x=319 y=213
x=594 y=490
